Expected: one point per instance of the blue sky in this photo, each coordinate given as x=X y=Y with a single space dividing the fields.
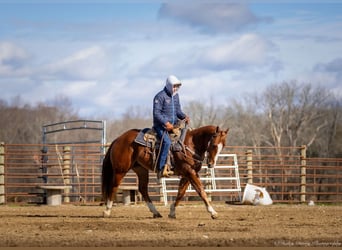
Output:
x=109 y=56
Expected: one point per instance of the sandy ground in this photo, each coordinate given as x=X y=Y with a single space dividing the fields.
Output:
x=133 y=225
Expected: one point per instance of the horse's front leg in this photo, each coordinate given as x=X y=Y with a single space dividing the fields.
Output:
x=143 y=189
x=183 y=185
x=197 y=185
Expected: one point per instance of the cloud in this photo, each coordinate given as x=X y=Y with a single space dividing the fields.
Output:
x=211 y=17
x=334 y=66
x=329 y=74
x=85 y=64
x=12 y=59
x=246 y=51
x=332 y=69
x=109 y=63
x=79 y=88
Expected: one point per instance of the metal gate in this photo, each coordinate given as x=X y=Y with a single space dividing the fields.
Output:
x=222 y=178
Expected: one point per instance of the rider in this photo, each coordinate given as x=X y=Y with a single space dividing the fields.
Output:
x=166 y=112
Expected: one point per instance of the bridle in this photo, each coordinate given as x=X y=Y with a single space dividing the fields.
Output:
x=196 y=157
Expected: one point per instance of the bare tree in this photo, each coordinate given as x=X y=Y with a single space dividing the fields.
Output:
x=249 y=123
x=22 y=123
x=328 y=142
x=134 y=117
x=202 y=114
x=294 y=113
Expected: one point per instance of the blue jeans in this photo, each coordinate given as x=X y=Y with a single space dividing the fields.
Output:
x=165 y=146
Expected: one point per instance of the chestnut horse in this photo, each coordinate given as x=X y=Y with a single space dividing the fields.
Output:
x=125 y=154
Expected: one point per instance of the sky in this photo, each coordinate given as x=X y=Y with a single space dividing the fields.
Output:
x=110 y=56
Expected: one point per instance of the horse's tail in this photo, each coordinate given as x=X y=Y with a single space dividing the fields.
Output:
x=107 y=175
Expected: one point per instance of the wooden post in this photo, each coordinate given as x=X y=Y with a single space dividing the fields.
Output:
x=303 y=173
x=249 y=154
x=66 y=171
x=2 y=173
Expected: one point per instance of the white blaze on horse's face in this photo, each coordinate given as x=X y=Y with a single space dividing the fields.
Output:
x=213 y=152
x=212 y=162
x=215 y=146
x=219 y=149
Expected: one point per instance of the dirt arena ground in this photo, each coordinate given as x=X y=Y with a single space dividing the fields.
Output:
x=133 y=225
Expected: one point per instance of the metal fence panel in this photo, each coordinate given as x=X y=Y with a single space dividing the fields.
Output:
x=280 y=170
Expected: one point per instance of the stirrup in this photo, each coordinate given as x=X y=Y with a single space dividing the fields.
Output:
x=161 y=174
x=166 y=171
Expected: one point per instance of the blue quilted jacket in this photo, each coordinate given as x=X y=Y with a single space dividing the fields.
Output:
x=166 y=107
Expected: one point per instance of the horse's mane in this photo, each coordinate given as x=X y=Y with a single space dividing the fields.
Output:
x=200 y=137
x=208 y=128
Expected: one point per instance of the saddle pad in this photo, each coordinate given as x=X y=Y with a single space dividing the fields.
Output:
x=140 y=138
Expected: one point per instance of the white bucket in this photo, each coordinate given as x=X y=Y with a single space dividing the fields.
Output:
x=254 y=195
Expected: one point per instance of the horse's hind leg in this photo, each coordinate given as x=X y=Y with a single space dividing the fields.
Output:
x=143 y=189
x=109 y=202
x=117 y=178
x=183 y=185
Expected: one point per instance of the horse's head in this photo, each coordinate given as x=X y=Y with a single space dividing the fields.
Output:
x=215 y=146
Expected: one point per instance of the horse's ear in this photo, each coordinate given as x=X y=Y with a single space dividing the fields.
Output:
x=217 y=129
x=225 y=131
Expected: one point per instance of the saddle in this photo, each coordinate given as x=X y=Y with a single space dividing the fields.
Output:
x=148 y=138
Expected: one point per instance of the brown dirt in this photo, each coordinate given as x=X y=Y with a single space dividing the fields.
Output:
x=71 y=225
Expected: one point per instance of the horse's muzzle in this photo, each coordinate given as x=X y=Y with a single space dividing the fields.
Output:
x=210 y=164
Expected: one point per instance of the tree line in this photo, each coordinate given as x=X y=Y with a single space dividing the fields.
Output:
x=286 y=114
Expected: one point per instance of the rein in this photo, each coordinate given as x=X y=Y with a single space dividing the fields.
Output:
x=196 y=157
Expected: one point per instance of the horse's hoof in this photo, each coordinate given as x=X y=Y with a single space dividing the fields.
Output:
x=106 y=214
x=172 y=216
x=157 y=215
x=214 y=216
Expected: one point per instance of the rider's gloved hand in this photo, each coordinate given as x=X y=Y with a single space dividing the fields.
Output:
x=187 y=119
x=168 y=126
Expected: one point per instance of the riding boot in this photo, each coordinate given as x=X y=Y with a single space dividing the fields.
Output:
x=165 y=172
